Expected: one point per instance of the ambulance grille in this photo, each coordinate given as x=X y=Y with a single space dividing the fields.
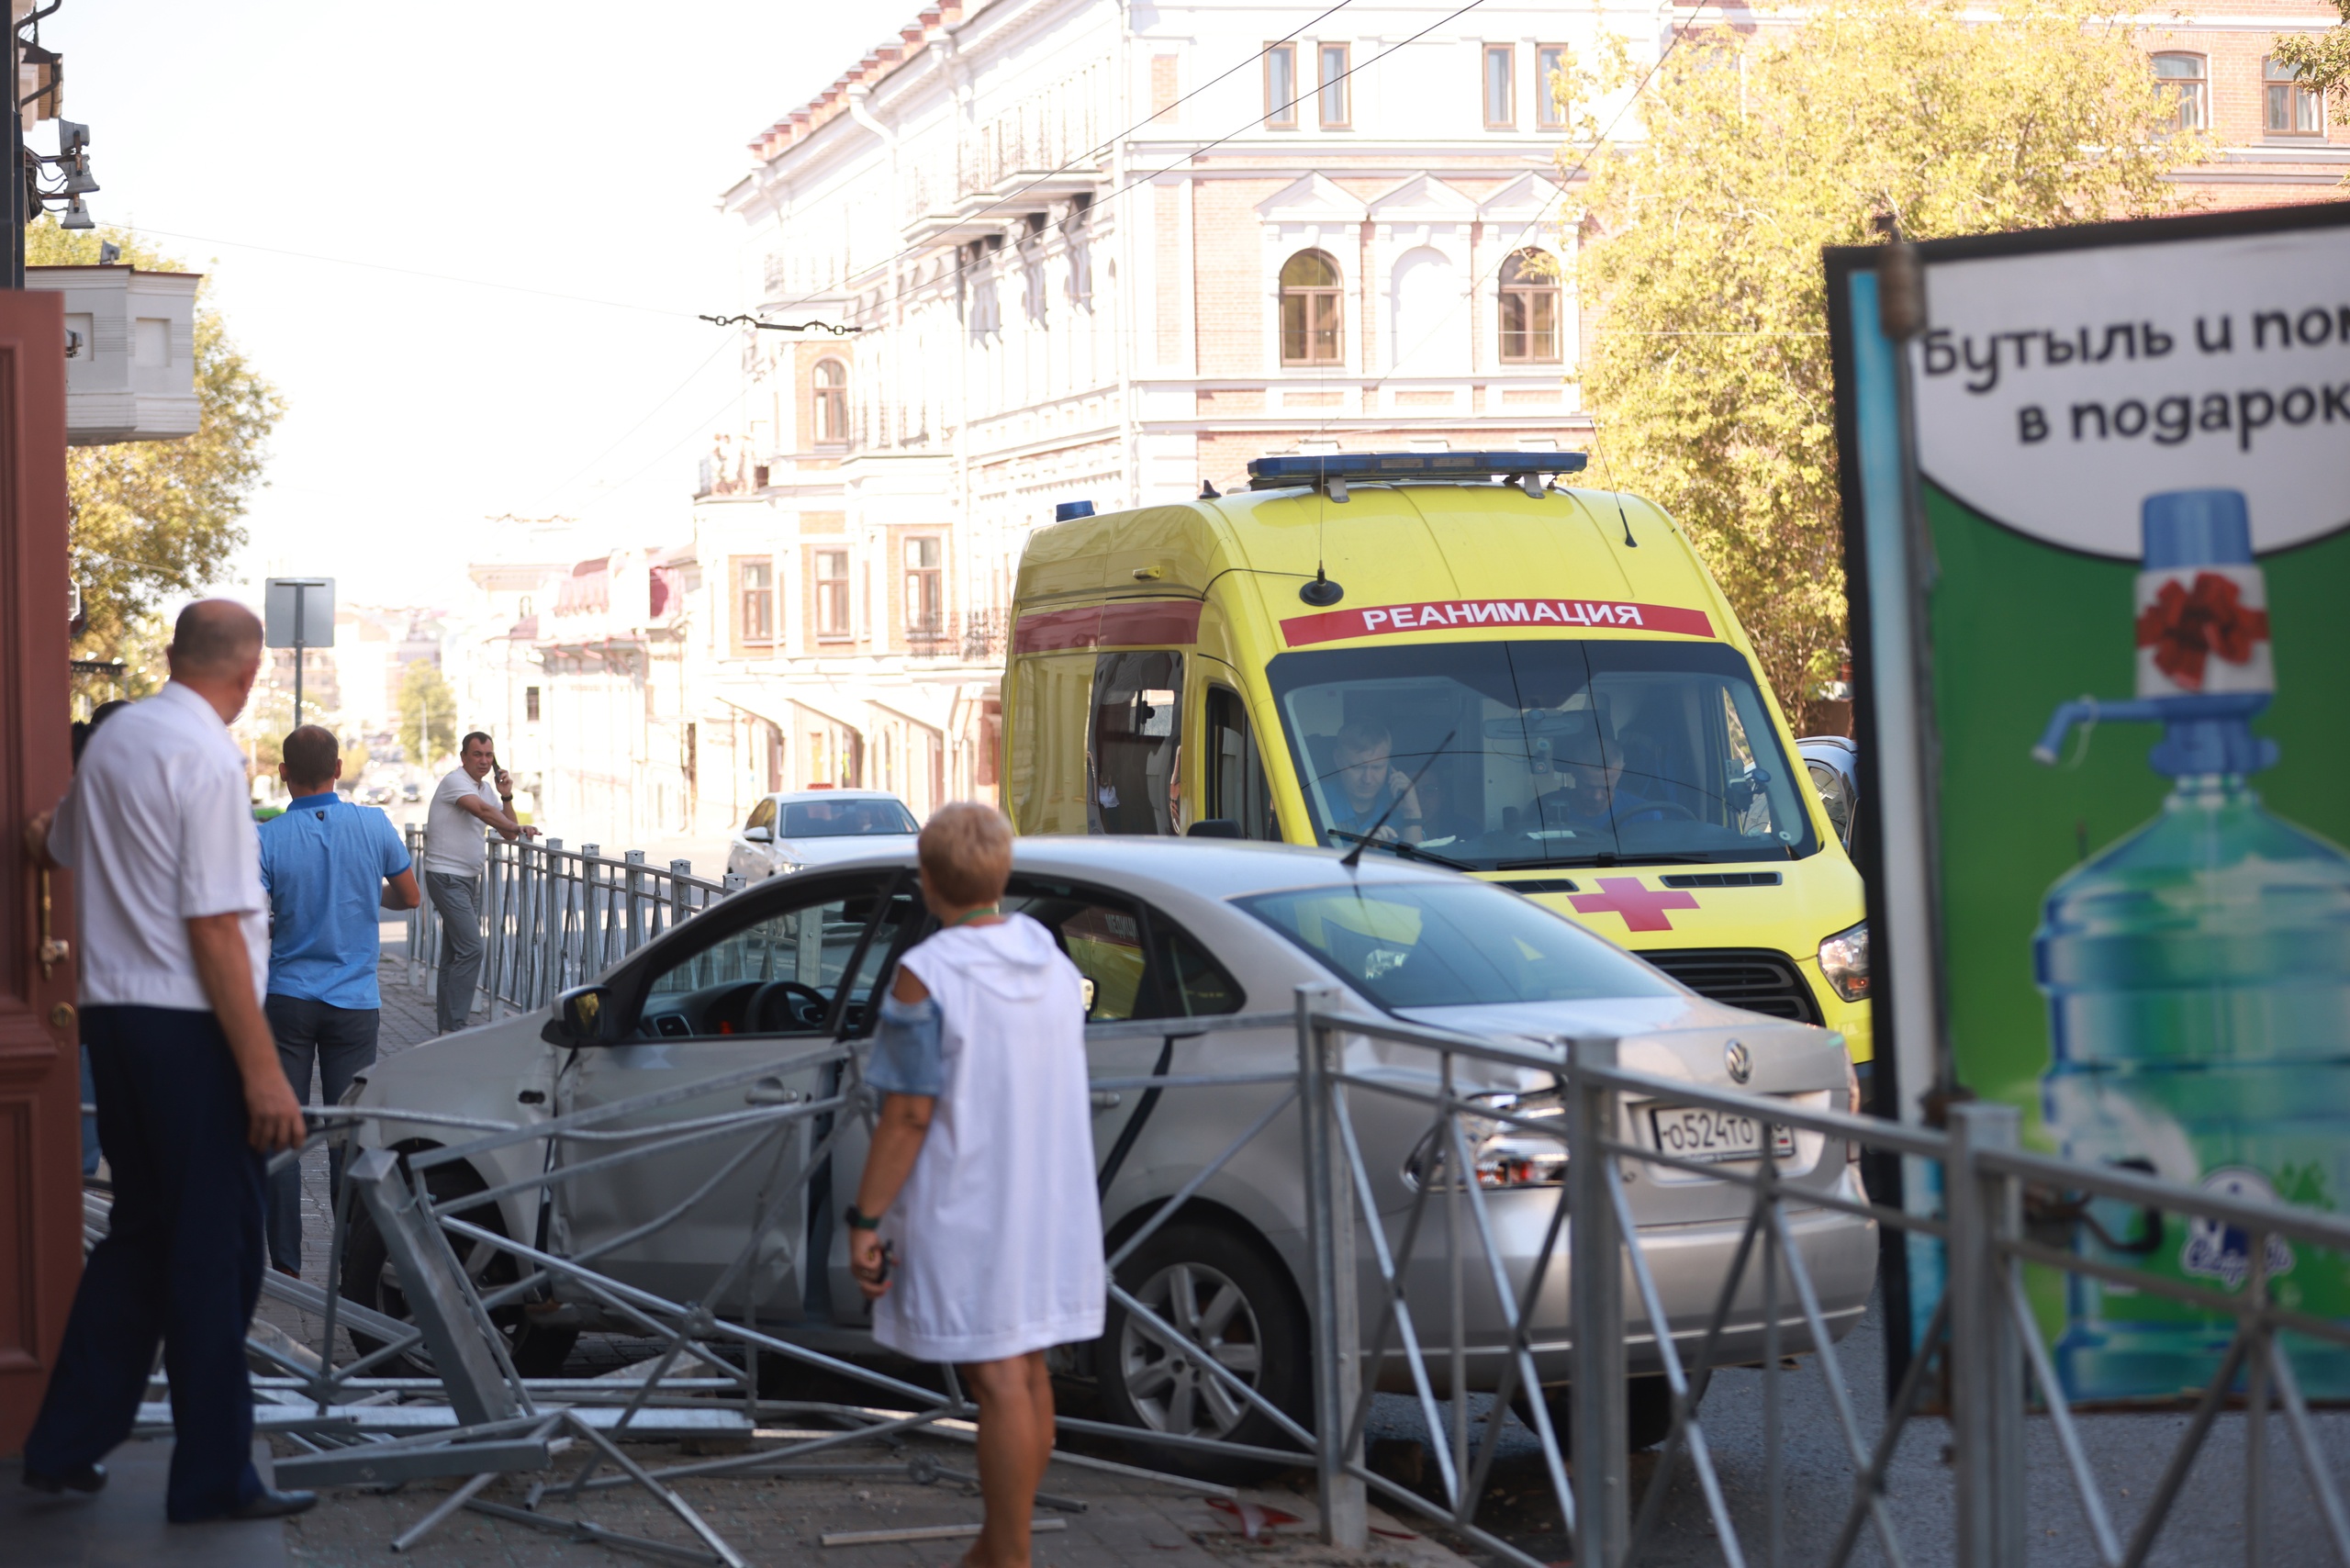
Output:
x=1754 y=978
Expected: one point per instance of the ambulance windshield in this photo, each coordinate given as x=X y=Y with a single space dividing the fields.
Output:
x=1542 y=753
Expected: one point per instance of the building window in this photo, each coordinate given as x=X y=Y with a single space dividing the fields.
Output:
x=828 y=398
x=832 y=593
x=1336 y=113
x=1551 y=86
x=925 y=607
x=758 y=601
x=1529 y=313
x=2182 y=79
x=1501 y=76
x=1280 y=87
x=531 y=703
x=2292 y=109
x=1310 y=310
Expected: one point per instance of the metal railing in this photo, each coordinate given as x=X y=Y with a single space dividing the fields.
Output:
x=1590 y=1287
x=552 y=918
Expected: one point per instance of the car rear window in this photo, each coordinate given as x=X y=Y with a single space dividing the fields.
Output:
x=846 y=819
x=1436 y=944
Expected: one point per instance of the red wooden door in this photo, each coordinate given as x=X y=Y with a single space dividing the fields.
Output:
x=40 y=1165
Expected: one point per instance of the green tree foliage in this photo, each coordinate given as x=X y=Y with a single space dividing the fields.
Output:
x=2325 y=59
x=428 y=713
x=154 y=519
x=1708 y=367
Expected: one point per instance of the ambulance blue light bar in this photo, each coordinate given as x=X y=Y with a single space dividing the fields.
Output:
x=1369 y=468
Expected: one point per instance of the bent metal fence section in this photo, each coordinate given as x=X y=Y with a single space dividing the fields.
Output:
x=1588 y=1288
x=552 y=918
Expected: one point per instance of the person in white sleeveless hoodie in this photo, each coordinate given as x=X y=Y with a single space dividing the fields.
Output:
x=976 y=1230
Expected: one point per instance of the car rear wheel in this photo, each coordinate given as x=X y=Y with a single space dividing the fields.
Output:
x=1230 y=1300
x=369 y=1278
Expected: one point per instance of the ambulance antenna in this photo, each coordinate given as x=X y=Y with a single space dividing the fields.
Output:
x=1322 y=593
x=1629 y=542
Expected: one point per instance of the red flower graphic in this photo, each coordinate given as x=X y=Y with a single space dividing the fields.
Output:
x=2186 y=626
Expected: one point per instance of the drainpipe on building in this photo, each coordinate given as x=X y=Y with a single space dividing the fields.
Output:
x=1130 y=457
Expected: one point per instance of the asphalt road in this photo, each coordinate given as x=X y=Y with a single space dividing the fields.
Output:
x=2207 y=1525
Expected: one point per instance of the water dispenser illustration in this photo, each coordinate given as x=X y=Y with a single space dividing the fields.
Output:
x=2197 y=976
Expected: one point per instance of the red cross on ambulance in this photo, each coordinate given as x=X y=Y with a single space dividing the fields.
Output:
x=1644 y=909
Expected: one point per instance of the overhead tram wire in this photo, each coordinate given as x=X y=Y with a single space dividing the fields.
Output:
x=1253 y=121
x=413 y=272
x=621 y=440
x=1256 y=119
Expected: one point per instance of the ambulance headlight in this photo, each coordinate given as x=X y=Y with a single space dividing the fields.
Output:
x=1844 y=961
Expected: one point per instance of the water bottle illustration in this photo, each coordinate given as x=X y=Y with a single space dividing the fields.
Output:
x=2198 y=976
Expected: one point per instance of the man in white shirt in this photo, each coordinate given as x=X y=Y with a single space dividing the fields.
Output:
x=464 y=802
x=174 y=945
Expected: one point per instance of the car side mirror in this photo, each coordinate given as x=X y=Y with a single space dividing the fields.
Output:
x=756 y=835
x=583 y=1016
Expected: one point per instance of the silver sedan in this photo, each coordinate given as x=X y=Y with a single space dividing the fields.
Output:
x=1162 y=930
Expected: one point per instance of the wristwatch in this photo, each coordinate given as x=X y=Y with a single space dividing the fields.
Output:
x=860 y=1221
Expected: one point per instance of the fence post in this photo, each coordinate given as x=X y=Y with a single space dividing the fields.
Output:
x=1330 y=1237
x=1595 y=1293
x=1987 y=1356
x=635 y=927
x=550 y=923
x=494 y=922
x=674 y=899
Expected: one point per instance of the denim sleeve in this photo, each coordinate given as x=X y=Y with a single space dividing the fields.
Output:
x=906 y=1049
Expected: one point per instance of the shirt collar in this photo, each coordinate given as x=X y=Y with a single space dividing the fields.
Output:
x=194 y=700
x=323 y=797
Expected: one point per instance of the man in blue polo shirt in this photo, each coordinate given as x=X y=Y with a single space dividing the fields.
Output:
x=326 y=863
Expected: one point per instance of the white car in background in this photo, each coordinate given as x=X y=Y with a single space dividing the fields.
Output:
x=816 y=827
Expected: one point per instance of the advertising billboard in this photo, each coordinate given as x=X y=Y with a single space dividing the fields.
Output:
x=2098 y=508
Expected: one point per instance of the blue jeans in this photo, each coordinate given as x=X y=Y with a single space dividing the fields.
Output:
x=181 y=1263
x=343 y=1041
x=457 y=901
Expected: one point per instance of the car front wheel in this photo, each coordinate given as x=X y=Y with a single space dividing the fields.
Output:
x=369 y=1278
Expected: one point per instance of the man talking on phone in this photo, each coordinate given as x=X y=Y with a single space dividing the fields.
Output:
x=464 y=802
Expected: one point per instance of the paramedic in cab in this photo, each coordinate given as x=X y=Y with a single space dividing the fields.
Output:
x=1369 y=784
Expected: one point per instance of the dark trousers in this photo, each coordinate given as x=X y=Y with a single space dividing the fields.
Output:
x=343 y=1041
x=181 y=1263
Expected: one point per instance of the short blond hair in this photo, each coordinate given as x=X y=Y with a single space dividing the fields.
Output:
x=966 y=851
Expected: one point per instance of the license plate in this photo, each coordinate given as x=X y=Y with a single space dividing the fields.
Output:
x=1689 y=1132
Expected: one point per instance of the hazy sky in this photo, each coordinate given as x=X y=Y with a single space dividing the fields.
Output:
x=576 y=147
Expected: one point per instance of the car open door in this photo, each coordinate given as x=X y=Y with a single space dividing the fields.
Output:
x=769 y=979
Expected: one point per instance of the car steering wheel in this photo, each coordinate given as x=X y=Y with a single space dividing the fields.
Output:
x=1648 y=809
x=808 y=1008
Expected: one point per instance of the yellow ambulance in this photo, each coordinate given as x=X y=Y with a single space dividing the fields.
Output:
x=1452 y=657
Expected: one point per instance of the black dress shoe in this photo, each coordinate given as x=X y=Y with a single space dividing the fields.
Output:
x=88 y=1478
x=274 y=1505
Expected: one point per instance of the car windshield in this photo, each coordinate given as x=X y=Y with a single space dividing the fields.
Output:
x=846 y=819
x=1455 y=945
x=1542 y=753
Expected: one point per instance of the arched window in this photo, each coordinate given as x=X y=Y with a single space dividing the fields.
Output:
x=1529 y=313
x=828 y=398
x=2185 y=81
x=1311 y=311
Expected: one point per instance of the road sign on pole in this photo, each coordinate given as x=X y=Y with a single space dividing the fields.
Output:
x=298 y=613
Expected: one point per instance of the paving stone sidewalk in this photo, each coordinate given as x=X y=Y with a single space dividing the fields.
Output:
x=781 y=1520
